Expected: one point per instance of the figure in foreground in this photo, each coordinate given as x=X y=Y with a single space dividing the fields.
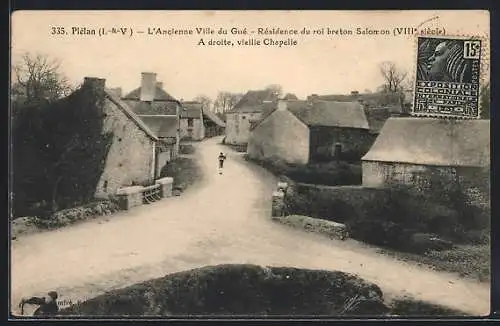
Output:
x=47 y=305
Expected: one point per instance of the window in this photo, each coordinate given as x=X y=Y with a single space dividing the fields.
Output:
x=190 y=122
x=337 y=150
x=105 y=186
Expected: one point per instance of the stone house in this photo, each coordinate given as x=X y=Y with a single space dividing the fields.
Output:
x=432 y=156
x=302 y=132
x=251 y=107
x=192 y=126
x=151 y=99
x=384 y=104
x=132 y=156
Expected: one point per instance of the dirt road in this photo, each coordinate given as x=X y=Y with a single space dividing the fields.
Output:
x=224 y=219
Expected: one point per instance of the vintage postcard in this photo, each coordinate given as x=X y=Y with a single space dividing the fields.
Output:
x=249 y=163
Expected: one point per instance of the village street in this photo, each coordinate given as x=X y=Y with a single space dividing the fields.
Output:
x=223 y=219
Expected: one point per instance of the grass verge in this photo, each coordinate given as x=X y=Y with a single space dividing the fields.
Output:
x=471 y=261
x=185 y=172
x=27 y=225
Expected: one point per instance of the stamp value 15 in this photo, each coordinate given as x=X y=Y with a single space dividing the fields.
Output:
x=448 y=77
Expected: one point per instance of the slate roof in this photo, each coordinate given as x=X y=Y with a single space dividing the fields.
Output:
x=330 y=114
x=191 y=109
x=252 y=101
x=150 y=108
x=160 y=95
x=213 y=117
x=431 y=141
x=163 y=126
x=371 y=100
x=129 y=113
x=322 y=113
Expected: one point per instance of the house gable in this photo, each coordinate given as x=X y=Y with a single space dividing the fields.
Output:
x=280 y=135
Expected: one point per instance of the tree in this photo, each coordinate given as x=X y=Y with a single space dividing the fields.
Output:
x=394 y=77
x=204 y=100
x=38 y=77
x=226 y=100
x=276 y=89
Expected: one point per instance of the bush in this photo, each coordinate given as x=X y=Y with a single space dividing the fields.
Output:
x=185 y=172
x=64 y=217
x=333 y=174
x=241 y=290
x=46 y=150
x=417 y=308
x=330 y=173
x=71 y=215
x=383 y=217
x=186 y=149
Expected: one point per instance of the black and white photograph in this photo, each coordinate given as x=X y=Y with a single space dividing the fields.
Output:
x=249 y=164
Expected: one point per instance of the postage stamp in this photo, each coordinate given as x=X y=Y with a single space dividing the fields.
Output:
x=448 y=71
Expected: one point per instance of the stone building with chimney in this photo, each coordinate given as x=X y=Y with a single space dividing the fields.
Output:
x=134 y=153
x=302 y=132
x=150 y=99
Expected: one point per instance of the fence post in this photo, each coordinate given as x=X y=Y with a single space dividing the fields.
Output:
x=166 y=186
x=130 y=197
x=278 y=204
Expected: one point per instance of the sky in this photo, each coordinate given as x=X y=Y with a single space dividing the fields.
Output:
x=317 y=64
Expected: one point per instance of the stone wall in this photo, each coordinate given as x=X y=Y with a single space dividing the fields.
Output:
x=130 y=159
x=434 y=181
x=238 y=127
x=354 y=143
x=196 y=132
x=130 y=197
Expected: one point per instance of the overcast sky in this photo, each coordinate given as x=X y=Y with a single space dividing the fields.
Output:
x=321 y=64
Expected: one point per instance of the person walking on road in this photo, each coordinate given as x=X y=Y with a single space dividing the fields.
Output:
x=222 y=158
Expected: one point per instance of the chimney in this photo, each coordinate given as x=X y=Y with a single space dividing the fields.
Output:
x=117 y=91
x=282 y=105
x=96 y=83
x=148 y=86
x=159 y=85
x=313 y=98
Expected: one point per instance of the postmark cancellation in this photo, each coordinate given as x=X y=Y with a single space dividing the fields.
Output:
x=448 y=77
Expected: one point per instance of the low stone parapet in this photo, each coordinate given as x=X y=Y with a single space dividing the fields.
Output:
x=282 y=186
x=129 y=197
x=278 y=204
x=166 y=186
